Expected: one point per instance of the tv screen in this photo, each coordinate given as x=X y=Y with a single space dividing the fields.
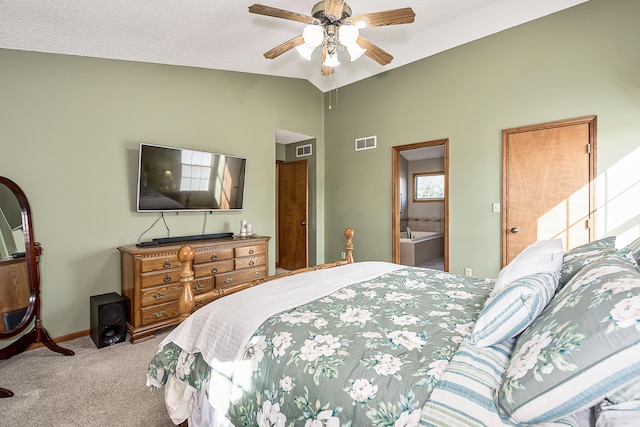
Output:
x=178 y=179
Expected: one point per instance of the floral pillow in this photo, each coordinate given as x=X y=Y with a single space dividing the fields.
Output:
x=583 y=347
x=634 y=247
x=540 y=257
x=578 y=257
x=513 y=309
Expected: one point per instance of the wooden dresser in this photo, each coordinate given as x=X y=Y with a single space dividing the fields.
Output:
x=151 y=277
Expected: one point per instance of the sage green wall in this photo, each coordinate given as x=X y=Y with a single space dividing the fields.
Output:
x=69 y=134
x=574 y=63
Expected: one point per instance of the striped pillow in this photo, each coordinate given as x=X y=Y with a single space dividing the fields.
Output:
x=464 y=395
x=513 y=309
x=581 y=349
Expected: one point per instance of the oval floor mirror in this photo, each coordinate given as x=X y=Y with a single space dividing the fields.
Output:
x=19 y=277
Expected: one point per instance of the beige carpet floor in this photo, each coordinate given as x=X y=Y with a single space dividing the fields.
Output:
x=95 y=387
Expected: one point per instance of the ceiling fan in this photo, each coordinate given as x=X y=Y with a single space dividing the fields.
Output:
x=332 y=26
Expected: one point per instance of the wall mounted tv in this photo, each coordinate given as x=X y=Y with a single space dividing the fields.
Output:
x=178 y=179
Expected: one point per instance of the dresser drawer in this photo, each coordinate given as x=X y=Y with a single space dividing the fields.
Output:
x=201 y=303
x=251 y=250
x=200 y=286
x=209 y=269
x=250 y=261
x=159 y=313
x=164 y=294
x=236 y=277
x=161 y=295
x=168 y=277
x=213 y=255
x=161 y=263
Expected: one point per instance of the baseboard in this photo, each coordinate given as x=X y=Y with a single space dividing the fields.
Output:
x=62 y=338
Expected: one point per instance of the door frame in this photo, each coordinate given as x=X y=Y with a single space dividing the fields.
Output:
x=395 y=196
x=591 y=121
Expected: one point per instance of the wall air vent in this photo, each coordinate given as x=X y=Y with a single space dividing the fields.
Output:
x=366 y=143
x=303 y=150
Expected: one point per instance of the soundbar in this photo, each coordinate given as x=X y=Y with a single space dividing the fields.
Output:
x=178 y=239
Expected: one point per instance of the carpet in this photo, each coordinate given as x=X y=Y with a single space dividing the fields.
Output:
x=95 y=387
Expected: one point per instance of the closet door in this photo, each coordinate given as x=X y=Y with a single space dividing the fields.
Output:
x=547 y=192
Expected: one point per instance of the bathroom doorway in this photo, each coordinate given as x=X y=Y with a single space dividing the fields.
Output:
x=420 y=204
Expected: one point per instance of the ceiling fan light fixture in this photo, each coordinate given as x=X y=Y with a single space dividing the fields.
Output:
x=313 y=35
x=348 y=34
x=305 y=51
x=331 y=60
x=355 y=51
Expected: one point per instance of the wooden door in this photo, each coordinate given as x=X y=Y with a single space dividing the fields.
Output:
x=547 y=193
x=293 y=215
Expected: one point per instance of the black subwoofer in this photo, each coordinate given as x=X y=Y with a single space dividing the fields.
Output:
x=108 y=319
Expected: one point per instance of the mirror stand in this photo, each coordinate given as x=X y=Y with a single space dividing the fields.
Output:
x=37 y=335
x=20 y=282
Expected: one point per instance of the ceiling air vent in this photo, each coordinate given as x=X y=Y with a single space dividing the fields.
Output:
x=303 y=150
x=366 y=143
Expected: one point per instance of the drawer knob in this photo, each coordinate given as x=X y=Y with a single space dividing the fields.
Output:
x=167 y=278
x=166 y=264
x=214 y=256
x=251 y=251
x=159 y=295
x=256 y=274
x=214 y=270
x=199 y=304
x=252 y=262
x=198 y=287
x=228 y=280
x=159 y=313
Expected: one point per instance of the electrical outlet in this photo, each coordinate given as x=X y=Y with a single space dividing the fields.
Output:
x=495 y=207
x=467 y=271
x=343 y=255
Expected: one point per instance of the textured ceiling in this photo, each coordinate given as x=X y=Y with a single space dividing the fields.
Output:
x=223 y=35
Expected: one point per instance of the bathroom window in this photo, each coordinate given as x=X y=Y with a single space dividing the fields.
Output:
x=428 y=186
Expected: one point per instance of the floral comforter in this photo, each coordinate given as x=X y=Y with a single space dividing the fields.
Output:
x=368 y=354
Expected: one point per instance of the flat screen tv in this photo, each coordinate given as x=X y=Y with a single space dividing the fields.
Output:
x=178 y=179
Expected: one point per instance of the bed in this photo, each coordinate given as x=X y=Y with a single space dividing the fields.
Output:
x=380 y=344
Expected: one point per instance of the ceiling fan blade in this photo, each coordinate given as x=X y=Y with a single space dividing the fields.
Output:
x=374 y=52
x=389 y=17
x=333 y=9
x=279 y=13
x=284 y=47
x=325 y=70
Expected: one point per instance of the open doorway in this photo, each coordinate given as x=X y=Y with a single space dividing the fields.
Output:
x=296 y=233
x=420 y=204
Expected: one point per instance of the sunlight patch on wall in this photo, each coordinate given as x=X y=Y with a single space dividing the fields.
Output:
x=618 y=198
x=617 y=193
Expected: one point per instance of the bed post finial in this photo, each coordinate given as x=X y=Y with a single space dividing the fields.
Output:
x=348 y=233
x=186 y=254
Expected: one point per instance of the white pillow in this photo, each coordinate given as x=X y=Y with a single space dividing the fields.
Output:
x=541 y=257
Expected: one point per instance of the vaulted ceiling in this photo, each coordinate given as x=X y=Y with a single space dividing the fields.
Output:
x=223 y=35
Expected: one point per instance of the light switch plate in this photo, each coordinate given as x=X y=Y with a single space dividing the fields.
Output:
x=495 y=207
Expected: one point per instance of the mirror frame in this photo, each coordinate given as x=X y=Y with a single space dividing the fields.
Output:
x=32 y=255
x=33 y=250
